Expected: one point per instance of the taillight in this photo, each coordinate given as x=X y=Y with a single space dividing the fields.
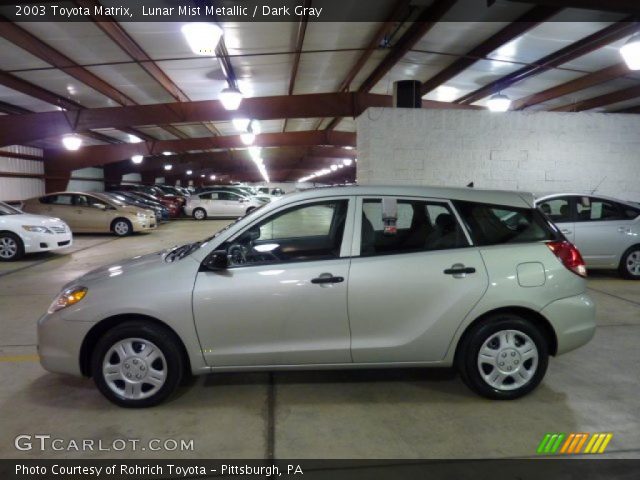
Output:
x=570 y=256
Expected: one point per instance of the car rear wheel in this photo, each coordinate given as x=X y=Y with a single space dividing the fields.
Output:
x=121 y=227
x=199 y=214
x=137 y=364
x=11 y=247
x=630 y=263
x=503 y=357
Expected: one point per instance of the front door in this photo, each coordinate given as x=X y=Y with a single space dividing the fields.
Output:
x=283 y=299
x=409 y=290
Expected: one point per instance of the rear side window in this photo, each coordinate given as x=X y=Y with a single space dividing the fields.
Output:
x=493 y=224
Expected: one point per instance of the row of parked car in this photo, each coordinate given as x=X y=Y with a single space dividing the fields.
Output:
x=605 y=230
x=48 y=222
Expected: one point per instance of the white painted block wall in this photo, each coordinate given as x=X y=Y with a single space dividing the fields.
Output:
x=20 y=188
x=533 y=151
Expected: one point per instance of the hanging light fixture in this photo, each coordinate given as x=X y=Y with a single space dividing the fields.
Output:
x=203 y=38
x=248 y=138
x=347 y=162
x=240 y=124
x=630 y=52
x=189 y=172
x=499 y=103
x=72 y=142
x=231 y=97
x=137 y=159
x=168 y=167
x=212 y=177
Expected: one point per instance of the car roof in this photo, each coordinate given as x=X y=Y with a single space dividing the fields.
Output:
x=214 y=190
x=494 y=197
x=594 y=195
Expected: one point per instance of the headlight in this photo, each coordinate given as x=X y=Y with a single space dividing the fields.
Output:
x=68 y=297
x=36 y=229
x=140 y=215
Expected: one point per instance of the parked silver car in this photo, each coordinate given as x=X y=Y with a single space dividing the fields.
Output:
x=219 y=203
x=349 y=277
x=605 y=230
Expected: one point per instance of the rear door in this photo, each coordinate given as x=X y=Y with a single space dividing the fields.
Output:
x=233 y=204
x=601 y=231
x=410 y=290
x=561 y=211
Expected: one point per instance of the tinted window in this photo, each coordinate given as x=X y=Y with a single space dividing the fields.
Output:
x=629 y=213
x=557 y=209
x=595 y=209
x=420 y=226
x=57 y=199
x=492 y=224
x=307 y=232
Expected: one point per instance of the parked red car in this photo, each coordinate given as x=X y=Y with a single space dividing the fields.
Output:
x=173 y=203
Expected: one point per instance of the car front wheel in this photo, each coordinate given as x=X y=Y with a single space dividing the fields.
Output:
x=11 y=247
x=122 y=227
x=503 y=358
x=137 y=364
x=630 y=263
x=199 y=214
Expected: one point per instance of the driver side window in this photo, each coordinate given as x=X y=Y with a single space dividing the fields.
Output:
x=302 y=233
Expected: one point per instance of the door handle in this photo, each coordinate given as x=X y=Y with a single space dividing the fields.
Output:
x=624 y=229
x=459 y=270
x=327 y=278
x=565 y=231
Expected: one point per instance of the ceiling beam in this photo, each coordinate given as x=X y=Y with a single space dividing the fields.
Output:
x=25 y=40
x=12 y=109
x=586 y=81
x=635 y=109
x=523 y=24
x=621 y=6
x=104 y=154
x=418 y=29
x=601 y=100
x=26 y=128
x=302 y=29
x=577 y=49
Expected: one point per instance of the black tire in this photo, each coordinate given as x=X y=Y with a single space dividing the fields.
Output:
x=121 y=227
x=624 y=269
x=199 y=214
x=11 y=247
x=469 y=350
x=173 y=363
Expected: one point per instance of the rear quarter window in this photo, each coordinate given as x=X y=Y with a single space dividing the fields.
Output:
x=498 y=224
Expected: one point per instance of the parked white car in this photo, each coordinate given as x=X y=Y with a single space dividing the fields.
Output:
x=219 y=203
x=605 y=230
x=351 y=277
x=22 y=233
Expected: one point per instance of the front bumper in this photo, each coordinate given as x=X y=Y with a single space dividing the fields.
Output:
x=574 y=321
x=144 y=224
x=44 y=242
x=59 y=343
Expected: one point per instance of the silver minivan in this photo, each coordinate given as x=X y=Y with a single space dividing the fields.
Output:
x=348 y=277
x=605 y=230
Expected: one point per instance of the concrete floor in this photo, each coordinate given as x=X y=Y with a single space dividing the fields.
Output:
x=354 y=414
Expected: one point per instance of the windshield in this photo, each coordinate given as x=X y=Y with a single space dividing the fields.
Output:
x=8 y=210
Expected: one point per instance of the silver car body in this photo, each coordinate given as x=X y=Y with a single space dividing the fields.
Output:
x=220 y=203
x=390 y=310
x=601 y=240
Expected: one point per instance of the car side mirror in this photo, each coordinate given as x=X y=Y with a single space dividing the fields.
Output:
x=217 y=260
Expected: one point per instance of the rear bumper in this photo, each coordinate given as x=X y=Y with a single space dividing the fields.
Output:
x=574 y=321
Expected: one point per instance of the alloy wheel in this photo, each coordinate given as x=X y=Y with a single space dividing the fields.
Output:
x=134 y=368
x=8 y=248
x=121 y=228
x=507 y=360
x=633 y=263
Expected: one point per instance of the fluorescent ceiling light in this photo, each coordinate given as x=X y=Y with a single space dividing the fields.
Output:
x=630 y=52
x=212 y=177
x=230 y=98
x=137 y=159
x=445 y=93
x=189 y=172
x=347 y=162
x=334 y=167
x=255 y=127
x=134 y=139
x=202 y=176
x=499 y=103
x=241 y=124
x=203 y=38
x=166 y=154
x=248 y=138
x=168 y=167
x=71 y=142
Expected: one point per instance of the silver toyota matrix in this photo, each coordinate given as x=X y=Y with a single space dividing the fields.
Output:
x=346 y=277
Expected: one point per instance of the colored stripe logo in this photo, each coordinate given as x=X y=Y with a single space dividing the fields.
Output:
x=573 y=443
